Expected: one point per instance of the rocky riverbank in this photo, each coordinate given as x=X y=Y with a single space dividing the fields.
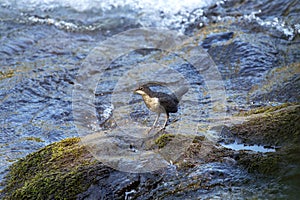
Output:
x=255 y=46
x=66 y=170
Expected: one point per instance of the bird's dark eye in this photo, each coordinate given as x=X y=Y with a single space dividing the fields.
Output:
x=141 y=88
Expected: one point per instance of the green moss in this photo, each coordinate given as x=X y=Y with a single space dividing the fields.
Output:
x=285 y=162
x=261 y=164
x=264 y=109
x=58 y=171
x=279 y=126
x=273 y=126
x=163 y=140
x=6 y=74
x=34 y=139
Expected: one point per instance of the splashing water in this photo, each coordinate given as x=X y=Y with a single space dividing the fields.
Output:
x=71 y=15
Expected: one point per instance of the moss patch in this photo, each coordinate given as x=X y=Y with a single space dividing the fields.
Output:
x=163 y=140
x=35 y=139
x=277 y=126
x=265 y=109
x=281 y=164
x=65 y=169
x=6 y=74
x=59 y=171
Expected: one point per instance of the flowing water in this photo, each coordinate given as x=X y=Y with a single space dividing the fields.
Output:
x=44 y=45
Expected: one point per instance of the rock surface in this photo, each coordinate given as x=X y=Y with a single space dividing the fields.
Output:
x=256 y=48
x=66 y=170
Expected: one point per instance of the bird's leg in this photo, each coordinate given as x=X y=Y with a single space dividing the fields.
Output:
x=167 y=119
x=156 y=120
x=154 y=123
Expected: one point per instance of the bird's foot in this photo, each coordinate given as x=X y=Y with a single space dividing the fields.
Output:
x=162 y=128
x=154 y=130
x=149 y=130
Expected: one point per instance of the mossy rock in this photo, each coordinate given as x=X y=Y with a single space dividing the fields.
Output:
x=265 y=109
x=280 y=164
x=6 y=74
x=61 y=170
x=66 y=169
x=279 y=126
x=163 y=140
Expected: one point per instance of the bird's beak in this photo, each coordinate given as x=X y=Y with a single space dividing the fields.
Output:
x=138 y=91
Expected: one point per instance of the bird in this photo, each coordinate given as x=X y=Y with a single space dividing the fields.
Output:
x=160 y=102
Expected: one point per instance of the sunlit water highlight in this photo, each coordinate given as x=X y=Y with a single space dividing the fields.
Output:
x=256 y=148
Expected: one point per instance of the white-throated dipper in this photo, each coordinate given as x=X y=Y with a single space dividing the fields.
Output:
x=160 y=102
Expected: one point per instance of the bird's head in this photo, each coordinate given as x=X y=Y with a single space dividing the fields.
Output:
x=142 y=90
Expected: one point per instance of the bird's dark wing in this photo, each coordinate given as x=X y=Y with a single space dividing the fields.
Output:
x=168 y=102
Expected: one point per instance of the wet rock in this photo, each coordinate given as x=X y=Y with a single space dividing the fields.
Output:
x=67 y=170
x=250 y=46
x=272 y=126
x=56 y=171
x=281 y=85
x=214 y=38
x=259 y=62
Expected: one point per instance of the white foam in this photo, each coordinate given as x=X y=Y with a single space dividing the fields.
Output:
x=147 y=13
x=276 y=23
x=169 y=6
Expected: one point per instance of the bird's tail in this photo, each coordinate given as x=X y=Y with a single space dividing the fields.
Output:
x=180 y=92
